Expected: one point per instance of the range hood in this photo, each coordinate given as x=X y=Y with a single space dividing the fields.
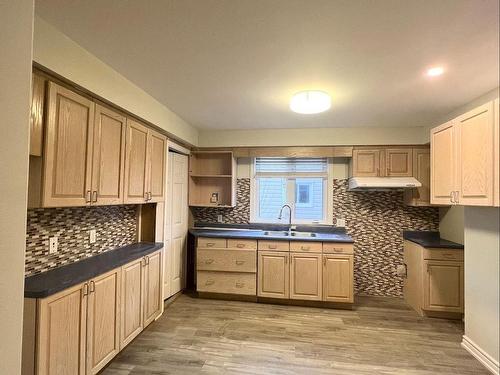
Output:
x=382 y=183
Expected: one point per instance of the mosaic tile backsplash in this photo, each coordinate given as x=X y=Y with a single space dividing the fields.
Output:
x=116 y=226
x=375 y=220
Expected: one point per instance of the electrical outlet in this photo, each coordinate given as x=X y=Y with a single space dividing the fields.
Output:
x=92 y=236
x=219 y=218
x=340 y=223
x=53 y=243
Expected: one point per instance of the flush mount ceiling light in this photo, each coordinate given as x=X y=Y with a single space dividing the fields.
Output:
x=435 y=71
x=310 y=102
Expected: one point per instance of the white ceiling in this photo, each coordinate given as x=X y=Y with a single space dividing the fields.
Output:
x=233 y=64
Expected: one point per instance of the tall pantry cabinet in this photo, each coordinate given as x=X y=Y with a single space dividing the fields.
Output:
x=465 y=159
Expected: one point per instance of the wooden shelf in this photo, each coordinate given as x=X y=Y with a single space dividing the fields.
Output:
x=212 y=172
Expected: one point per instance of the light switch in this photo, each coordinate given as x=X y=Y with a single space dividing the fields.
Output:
x=92 y=236
x=340 y=223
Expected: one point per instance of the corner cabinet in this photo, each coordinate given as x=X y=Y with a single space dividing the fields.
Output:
x=80 y=329
x=464 y=159
x=145 y=159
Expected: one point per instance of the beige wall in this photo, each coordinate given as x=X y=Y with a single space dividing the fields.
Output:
x=311 y=137
x=451 y=223
x=482 y=278
x=16 y=18
x=57 y=52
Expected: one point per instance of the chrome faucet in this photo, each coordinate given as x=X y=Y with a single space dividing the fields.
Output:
x=289 y=218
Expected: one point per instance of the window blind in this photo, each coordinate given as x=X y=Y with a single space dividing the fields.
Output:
x=291 y=165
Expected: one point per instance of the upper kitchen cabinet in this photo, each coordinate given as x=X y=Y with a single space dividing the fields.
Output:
x=366 y=162
x=464 y=159
x=68 y=149
x=382 y=162
x=108 y=156
x=144 y=164
x=212 y=179
x=36 y=114
x=422 y=172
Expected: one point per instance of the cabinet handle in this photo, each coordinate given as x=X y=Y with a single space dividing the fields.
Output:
x=239 y=285
x=92 y=287
x=273 y=246
x=452 y=195
x=94 y=196
x=150 y=196
x=240 y=245
x=305 y=248
x=324 y=261
x=88 y=197
x=429 y=269
x=210 y=244
x=143 y=262
x=209 y=282
x=85 y=289
x=146 y=196
x=209 y=261
x=337 y=249
x=240 y=262
x=147 y=260
x=457 y=197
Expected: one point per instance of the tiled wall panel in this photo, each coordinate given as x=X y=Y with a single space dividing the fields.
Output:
x=375 y=220
x=116 y=226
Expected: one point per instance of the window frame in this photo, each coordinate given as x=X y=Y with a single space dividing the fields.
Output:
x=290 y=199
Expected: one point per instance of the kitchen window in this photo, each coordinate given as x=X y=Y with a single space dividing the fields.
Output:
x=302 y=183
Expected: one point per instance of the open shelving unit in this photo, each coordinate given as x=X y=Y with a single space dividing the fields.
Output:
x=212 y=173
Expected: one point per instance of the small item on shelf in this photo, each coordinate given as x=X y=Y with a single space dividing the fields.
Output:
x=214 y=198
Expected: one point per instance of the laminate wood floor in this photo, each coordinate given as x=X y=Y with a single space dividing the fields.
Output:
x=381 y=336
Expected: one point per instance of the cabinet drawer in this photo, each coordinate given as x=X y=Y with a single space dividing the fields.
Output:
x=242 y=244
x=306 y=246
x=338 y=248
x=227 y=260
x=212 y=242
x=227 y=282
x=443 y=254
x=274 y=245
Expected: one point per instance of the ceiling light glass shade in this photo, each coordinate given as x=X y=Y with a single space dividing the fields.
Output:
x=435 y=71
x=309 y=102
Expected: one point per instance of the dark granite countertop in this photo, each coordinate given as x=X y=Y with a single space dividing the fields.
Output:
x=45 y=284
x=323 y=233
x=430 y=239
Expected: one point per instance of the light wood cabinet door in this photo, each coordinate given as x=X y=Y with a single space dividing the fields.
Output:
x=156 y=169
x=152 y=287
x=108 y=157
x=443 y=164
x=475 y=145
x=398 y=162
x=422 y=172
x=61 y=334
x=496 y=154
x=338 y=278
x=136 y=163
x=36 y=115
x=273 y=274
x=67 y=148
x=305 y=276
x=366 y=163
x=443 y=286
x=131 y=308
x=103 y=320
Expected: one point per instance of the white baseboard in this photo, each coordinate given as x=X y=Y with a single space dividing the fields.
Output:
x=480 y=355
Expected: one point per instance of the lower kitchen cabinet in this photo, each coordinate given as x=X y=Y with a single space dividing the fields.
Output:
x=338 y=283
x=273 y=274
x=80 y=329
x=443 y=286
x=131 y=305
x=305 y=276
x=152 y=283
x=434 y=282
x=61 y=333
x=103 y=320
